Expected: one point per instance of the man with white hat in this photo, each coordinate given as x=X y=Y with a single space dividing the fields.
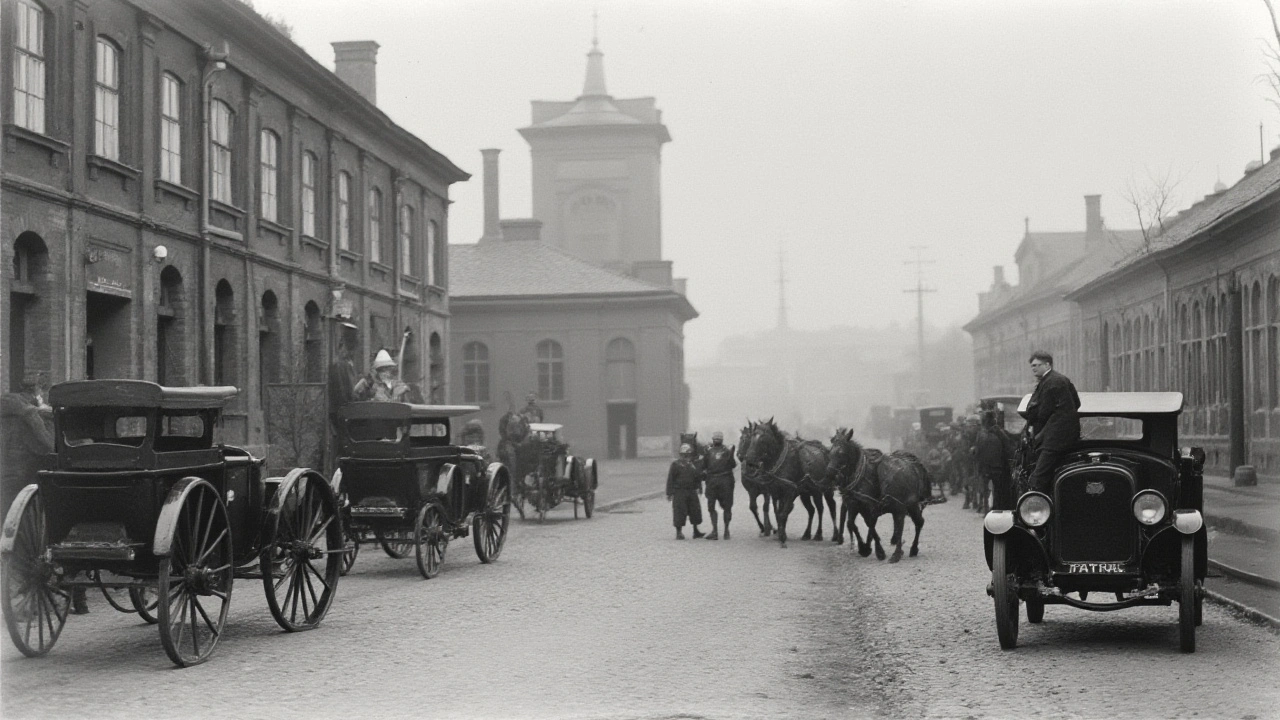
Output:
x=385 y=387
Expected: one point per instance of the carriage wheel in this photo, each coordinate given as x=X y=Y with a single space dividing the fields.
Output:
x=591 y=480
x=541 y=497
x=396 y=544
x=1035 y=611
x=489 y=529
x=195 y=579
x=431 y=540
x=145 y=601
x=1006 y=596
x=1187 y=597
x=589 y=503
x=35 y=608
x=303 y=560
x=117 y=597
x=350 y=548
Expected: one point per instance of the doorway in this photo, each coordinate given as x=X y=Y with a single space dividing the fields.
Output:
x=106 y=343
x=622 y=430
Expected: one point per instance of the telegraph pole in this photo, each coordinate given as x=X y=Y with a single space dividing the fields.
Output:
x=919 y=291
x=782 y=293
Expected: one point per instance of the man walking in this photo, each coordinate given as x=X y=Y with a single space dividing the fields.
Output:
x=992 y=451
x=719 y=463
x=684 y=485
x=1053 y=412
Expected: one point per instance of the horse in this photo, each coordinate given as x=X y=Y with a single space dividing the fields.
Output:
x=847 y=465
x=753 y=483
x=897 y=484
x=815 y=487
x=783 y=463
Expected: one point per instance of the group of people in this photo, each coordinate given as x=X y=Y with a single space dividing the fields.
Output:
x=713 y=467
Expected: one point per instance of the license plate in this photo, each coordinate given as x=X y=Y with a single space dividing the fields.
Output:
x=1100 y=568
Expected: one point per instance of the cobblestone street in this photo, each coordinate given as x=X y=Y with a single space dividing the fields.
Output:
x=611 y=617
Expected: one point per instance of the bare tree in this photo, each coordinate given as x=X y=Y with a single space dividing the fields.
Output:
x=1152 y=201
x=297 y=420
x=1272 y=55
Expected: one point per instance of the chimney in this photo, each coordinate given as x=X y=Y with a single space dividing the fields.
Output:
x=492 y=221
x=1093 y=214
x=998 y=280
x=356 y=62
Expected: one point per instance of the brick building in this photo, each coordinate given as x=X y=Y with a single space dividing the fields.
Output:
x=188 y=197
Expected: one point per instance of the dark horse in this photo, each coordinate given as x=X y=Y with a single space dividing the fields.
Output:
x=873 y=484
x=785 y=464
x=753 y=482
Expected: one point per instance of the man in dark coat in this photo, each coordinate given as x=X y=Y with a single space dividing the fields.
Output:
x=992 y=451
x=531 y=411
x=684 y=485
x=718 y=462
x=1054 y=413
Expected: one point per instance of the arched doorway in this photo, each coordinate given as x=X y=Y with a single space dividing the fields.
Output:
x=436 y=348
x=268 y=343
x=224 y=335
x=620 y=397
x=171 y=329
x=29 y=310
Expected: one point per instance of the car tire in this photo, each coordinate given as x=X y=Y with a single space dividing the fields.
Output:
x=1006 y=596
x=1187 y=597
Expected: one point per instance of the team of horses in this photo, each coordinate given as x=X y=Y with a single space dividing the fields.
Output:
x=780 y=468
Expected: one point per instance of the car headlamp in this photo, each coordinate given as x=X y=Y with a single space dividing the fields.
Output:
x=1149 y=507
x=1034 y=509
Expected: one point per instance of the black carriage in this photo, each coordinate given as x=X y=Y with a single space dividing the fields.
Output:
x=406 y=487
x=1005 y=408
x=933 y=420
x=1123 y=518
x=143 y=502
x=549 y=474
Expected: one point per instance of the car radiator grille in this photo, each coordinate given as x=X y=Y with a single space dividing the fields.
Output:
x=1094 y=520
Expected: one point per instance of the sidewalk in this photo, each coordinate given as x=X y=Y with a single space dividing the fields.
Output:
x=628 y=479
x=1244 y=529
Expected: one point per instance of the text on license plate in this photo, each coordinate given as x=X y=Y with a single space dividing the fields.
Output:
x=1095 y=568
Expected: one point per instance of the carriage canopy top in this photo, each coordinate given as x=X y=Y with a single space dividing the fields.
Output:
x=545 y=427
x=138 y=393
x=1122 y=404
x=403 y=411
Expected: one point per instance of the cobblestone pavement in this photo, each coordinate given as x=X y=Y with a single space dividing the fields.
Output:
x=612 y=618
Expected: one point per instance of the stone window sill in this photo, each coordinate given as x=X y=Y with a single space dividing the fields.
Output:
x=56 y=147
x=98 y=163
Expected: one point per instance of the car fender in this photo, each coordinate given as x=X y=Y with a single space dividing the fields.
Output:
x=1165 y=549
x=11 y=520
x=167 y=523
x=1023 y=546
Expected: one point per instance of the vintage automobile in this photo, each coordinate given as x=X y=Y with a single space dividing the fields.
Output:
x=549 y=474
x=1006 y=409
x=932 y=419
x=1123 y=517
x=405 y=486
x=144 y=502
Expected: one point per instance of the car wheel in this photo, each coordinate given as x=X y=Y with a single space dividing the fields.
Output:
x=1187 y=597
x=1006 y=597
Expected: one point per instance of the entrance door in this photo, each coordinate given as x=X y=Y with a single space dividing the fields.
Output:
x=622 y=430
x=107 y=337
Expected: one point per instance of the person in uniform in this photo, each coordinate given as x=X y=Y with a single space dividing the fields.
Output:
x=1054 y=413
x=718 y=463
x=342 y=377
x=684 y=485
x=531 y=411
x=383 y=386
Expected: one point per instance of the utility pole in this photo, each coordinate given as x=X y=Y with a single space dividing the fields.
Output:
x=919 y=291
x=782 y=293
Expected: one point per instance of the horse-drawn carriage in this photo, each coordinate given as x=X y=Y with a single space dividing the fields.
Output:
x=143 y=502
x=406 y=487
x=1123 y=515
x=933 y=420
x=547 y=473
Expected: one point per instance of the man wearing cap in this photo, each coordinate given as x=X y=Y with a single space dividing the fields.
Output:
x=531 y=412
x=385 y=386
x=719 y=463
x=684 y=485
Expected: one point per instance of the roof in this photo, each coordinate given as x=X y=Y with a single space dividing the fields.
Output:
x=1122 y=404
x=138 y=394
x=532 y=268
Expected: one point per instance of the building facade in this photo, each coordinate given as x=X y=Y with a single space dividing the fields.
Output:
x=189 y=198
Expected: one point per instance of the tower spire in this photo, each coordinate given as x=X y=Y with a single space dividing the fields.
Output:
x=594 y=86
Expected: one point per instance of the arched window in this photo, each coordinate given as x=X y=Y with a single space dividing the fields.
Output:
x=475 y=373
x=269 y=340
x=550 y=370
x=171 y=129
x=29 y=67
x=375 y=225
x=171 y=329
x=220 y=151
x=344 y=211
x=308 y=194
x=408 y=253
x=106 y=107
x=1255 y=324
x=1273 y=341
x=435 y=348
x=1213 y=362
x=30 y=292
x=269 y=184
x=224 y=335
x=620 y=370
x=1104 y=353
x=435 y=256
x=313 y=343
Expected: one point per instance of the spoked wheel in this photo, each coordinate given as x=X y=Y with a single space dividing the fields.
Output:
x=35 y=608
x=1187 y=597
x=117 y=597
x=350 y=549
x=1035 y=611
x=541 y=497
x=302 y=563
x=1006 y=596
x=590 y=479
x=145 y=602
x=489 y=529
x=397 y=544
x=432 y=540
x=195 y=579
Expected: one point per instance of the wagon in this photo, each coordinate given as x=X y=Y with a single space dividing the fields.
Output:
x=549 y=474
x=143 y=502
x=1122 y=518
x=403 y=485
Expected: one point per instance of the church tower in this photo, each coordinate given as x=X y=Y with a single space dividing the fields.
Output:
x=597 y=164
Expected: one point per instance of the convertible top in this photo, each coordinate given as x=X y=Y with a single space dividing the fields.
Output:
x=545 y=427
x=138 y=393
x=1122 y=404
x=402 y=411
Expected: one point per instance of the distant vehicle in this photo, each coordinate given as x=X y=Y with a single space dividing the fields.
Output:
x=550 y=474
x=1006 y=409
x=931 y=418
x=144 y=504
x=903 y=419
x=405 y=486
x=1123 y=517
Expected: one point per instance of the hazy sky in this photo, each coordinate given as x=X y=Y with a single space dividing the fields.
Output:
x=843 y=132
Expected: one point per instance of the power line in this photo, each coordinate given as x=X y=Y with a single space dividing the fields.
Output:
x=919 y=291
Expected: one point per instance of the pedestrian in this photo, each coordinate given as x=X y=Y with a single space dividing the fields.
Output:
x=342 y=376
x=1053 y=413
x=531 y=411
x=718 y=463
x=684 y=485
x=473 y=433
x=383 y=385
x=992 y=452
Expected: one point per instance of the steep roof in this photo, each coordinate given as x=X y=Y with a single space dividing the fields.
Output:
x=530 y=268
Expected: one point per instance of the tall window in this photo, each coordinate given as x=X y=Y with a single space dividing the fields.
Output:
x=620 y=370
x=269 y=187
x=375 y=225
x=408 y=259
x=106 y=113
x=550 y=370
x=220 y=152
x=308 y=194
x=171 y=129
x=1273 y=342
x=437 y=248
x=344 y=211
x=475 y=373
x=431 y=253
x=28 y=68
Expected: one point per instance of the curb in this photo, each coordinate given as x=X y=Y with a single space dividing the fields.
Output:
x=615 y=504
x=1239 y=527
x=1244 y=575
x=1252 y=613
